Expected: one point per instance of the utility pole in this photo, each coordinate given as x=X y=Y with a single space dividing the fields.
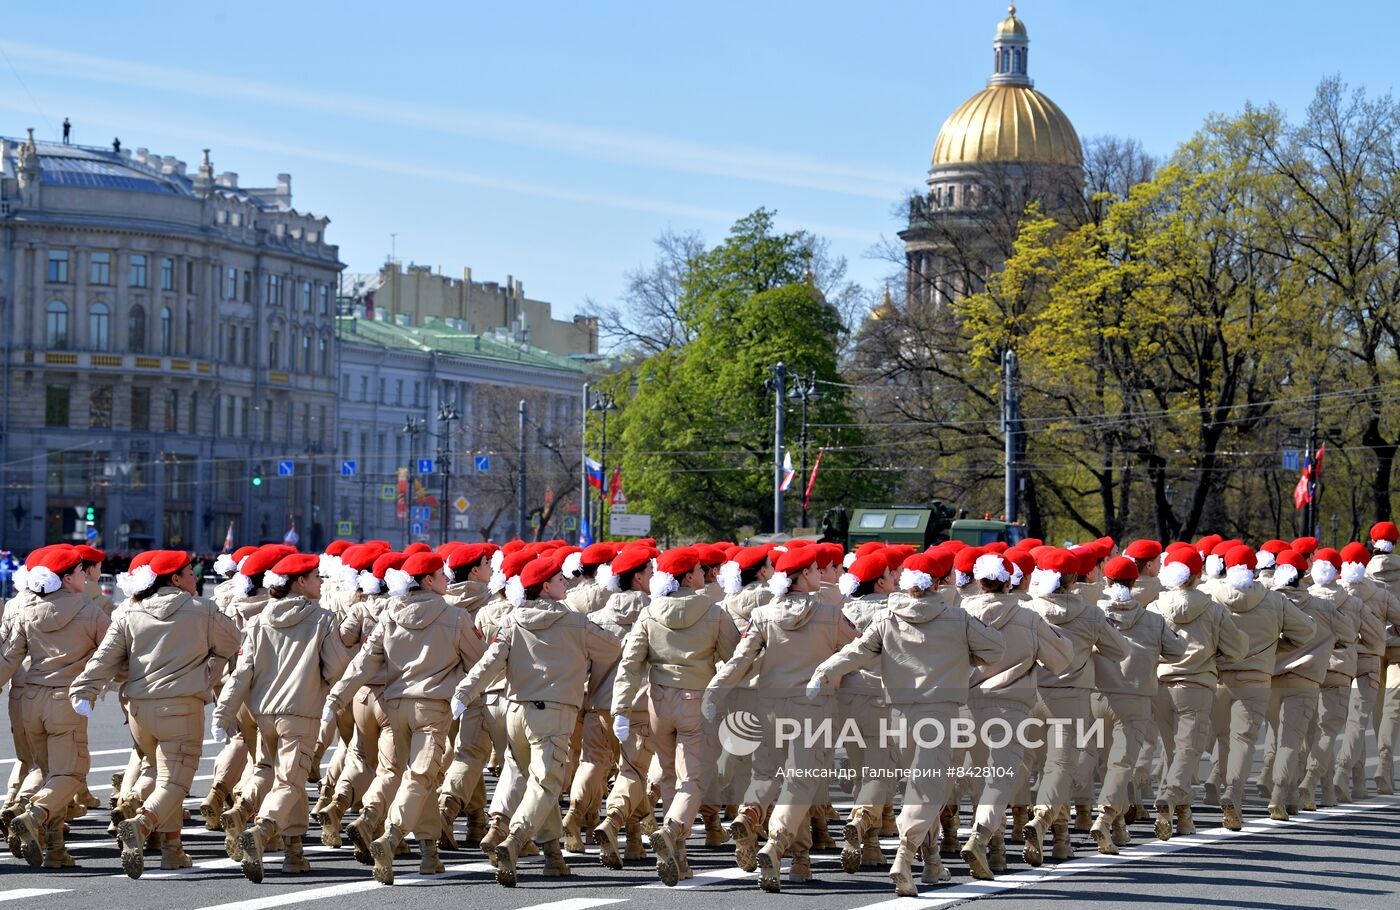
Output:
x=1010 y=427
x=583 y=498
x=1311 y=526
x=779 y=385
x=411 y=427
x=521 y=518
x=806 y=392
x=603 y=405
x=447 y=415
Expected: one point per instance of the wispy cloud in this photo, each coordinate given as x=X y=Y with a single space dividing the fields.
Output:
x=576 y=140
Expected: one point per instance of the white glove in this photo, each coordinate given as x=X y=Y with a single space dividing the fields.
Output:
x=709 y=706
x=82 y=706
x=815 y=685
x=328 y=715
x=458 y=707
x=622 y=728
x=219 y=734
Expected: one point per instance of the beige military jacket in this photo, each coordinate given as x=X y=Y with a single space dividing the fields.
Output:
x=422 y=642
x=93 y=592
x=546 y=651
x=290 y=655
x=1264 y=617
x=587 y=596
x=861 y=612
x=676 y=643
x=224 y=594
x=58 y=633
x=242 y=610
x=165 y=644
x=1145 y=590
x=1027 y=641
x=1384 y=569
x=925 y=648
x=469 y=595
x=1149 y=640
x=1382 y=612
x=1345 y=618
x=787 y=639
x=741 y=606
x=1088 y=631
x=8 y=617
x=1210 y=632
x=616 y=618
x=1308 y=660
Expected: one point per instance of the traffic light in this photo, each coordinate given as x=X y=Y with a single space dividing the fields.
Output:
x=91 y=514
x=257 y=476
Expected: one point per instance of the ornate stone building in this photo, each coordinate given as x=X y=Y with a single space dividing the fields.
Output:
x=167 y=337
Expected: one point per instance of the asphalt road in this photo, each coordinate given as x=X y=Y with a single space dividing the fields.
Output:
x=1346 y=857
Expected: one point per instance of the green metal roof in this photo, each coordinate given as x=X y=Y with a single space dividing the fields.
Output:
x=439 y=338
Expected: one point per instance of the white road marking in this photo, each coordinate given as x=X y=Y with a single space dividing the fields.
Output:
x=716 y=877
x=19 y=894
x=316 y=894
x=579 y=903
x=942 y=897
x=127 y=750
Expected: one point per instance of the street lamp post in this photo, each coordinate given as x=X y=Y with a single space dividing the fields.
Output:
x=805 y=391
x=603 y=404
x=447 y=414
x=412 y=428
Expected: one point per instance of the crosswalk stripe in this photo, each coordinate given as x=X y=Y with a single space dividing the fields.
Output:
x=19 y=894
x=973 y=890
x=579 y=903
x=716 y=877
x=316 y=894
x=125 y=751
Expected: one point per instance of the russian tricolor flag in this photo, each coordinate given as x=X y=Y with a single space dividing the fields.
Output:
x=595 y=475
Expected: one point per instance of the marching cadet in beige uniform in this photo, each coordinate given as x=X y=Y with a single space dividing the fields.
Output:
x=1265 y=560
x=290 y=654
x=1384 y=570
x=372 y=772
x=1242 y=699
x=866 y=586
x=630 y=572
x=1003 y=691
x=92 y=570
x=588 y=595
x=1382 y=610
x=227 y=566
x=1335 y=696
x=546 y=651
x=1299 y=670
x=1064 y=695
x=673 y=648
x=787 y=639
x=1187 y=686
x=925 y=649
x=470 y=568
x=163 y=642
x=426 y=645
x=1146 y=556
x=58 y=633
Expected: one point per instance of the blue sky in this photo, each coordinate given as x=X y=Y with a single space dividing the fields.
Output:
x=553 y=141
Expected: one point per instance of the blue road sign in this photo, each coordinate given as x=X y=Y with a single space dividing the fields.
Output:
x=425 y=466
x=286 y=468
x=570 y=523
x=344 y=529
x=483 y=463
x=348 y=468
x=91 y=534
x=387 y=491
x=1292 y=460
x=422 y=513
x=420 y=528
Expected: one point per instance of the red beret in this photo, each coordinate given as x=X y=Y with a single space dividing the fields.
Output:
x=1143 y=549
x=1088 y=558
x=598 y=553
x=939 y=563
x=514 y=562
x=1186 y=557
x=750 y=557
x=1291 y=557
x=1225 y=546
x=381 y=544
x=710 y=555
x=61 y=559
x=869 y=547
x=243 y=553
x=140 y=559
x=1239 y=555
x=1030 y=543
x=926 y=563
x=630 y=560
x=796 y=560
x=1207 y=543
x=896 y=553
x=359 y=557
x=1121 y=569
x=1274 y=546
x=1330 y=555
x=422 y=563
x=1053 y=559
x=261 y=560
x=417 y=547
x=677 y=562
x=445 y=549
x=336 y=547
x=297 y=564
x=1355 y=552
x=540 y=570
x=386 y=561
x=966 y=558
x=469 y=554
x=511 y=546
x=831 y=554
x=868 y=568
x=1304 y=545
x=89 y=554
x=1022 y=559
x=168 y=562
x=1385 y=530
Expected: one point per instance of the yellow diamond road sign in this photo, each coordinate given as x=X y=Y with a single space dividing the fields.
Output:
x=460 y=503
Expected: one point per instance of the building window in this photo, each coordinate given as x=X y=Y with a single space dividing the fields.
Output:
x=189 y=276
x=364 y=388
x=382 y=398
x=321 y=426
x=189 y=337
x=167 y=274
x=272 y=292
x=100 y=407
x=194 y=413
x=137 y=274
x=136 y=329
x=247 y=286
x=58 y=266
x=247 y=346
x=306 y=353
x=325 y=356
x=68 y=473
x=267 y=420
x=325 y=294
x=231 y=284
x=99 y=320
x=172 y=410
x=140 y=408
x=273 y=361
x=55 y=405
x=166 y=325
x=56 y=325
x=306 y=296
x=398 y=391
x=100 y=268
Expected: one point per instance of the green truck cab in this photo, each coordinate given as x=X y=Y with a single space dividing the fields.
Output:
x=922 y=526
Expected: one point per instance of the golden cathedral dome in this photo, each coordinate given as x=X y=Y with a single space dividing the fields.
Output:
x=1011 y=27
x=1006 y=124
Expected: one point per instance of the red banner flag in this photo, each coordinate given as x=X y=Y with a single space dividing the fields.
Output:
x=811 y=481
x=1302 y=493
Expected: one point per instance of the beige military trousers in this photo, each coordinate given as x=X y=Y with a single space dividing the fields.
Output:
x=1005 y=764
x=419 y=727
x=372 y=766
x=925 y=755
x=678 y=735
x=597 y=756
x=1242 y=704
x=1072 y=706
x=1292 y=709
x=629 y=789
x=1350 y=772
x=1189 y=708
x=287 y=746
x=539 y=742
x=1388 y=725
x=1334 y=703
x=58 y=746
x=1131 y=729
x=171 y=730
x=471 y=752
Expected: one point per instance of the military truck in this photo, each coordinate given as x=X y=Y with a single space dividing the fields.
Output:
x=920 y=525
